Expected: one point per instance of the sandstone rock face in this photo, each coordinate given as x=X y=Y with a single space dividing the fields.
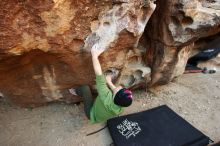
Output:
x=45 y=44
x=173 y=31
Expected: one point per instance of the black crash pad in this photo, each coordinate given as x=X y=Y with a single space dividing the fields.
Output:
x=160 y=126
x=204 y=56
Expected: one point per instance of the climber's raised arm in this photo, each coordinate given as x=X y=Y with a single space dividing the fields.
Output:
x=96 y=51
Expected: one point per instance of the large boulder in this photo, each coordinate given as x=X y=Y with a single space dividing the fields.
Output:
x=174 y=30
x=45 y=46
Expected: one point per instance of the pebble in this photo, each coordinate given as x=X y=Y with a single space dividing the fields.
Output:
x=208 y=102
x=216 y=97
x=185 y=112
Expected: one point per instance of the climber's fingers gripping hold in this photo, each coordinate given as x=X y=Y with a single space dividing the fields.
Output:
x=96 y=50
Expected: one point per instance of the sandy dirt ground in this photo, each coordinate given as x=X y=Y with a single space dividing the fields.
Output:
x=196 y=97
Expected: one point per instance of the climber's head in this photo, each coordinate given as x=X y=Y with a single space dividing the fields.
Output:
x=122 y=96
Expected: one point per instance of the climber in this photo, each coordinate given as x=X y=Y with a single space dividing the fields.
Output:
x=109 y=102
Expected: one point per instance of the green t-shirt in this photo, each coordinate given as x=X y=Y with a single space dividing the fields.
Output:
x=103 y=107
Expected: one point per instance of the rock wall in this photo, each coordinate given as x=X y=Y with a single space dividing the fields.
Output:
x=45 y=44
x=174 y=30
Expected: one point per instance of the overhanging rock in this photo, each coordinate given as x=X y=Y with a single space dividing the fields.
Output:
x=45 y=46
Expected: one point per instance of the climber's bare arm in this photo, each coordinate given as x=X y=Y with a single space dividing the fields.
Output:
x=96 y=51
x=109 y=82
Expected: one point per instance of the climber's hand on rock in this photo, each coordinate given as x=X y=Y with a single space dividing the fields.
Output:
x=96 y=50
x=108 y=78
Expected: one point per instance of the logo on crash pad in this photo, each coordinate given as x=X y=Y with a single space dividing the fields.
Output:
x=128 y=128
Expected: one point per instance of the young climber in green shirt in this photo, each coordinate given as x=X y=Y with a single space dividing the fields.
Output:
x=110 y=100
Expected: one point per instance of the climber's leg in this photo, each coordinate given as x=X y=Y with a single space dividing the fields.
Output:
x=85 y=93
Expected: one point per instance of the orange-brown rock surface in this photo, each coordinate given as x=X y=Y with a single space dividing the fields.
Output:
x=173 y=31
x=45 y=44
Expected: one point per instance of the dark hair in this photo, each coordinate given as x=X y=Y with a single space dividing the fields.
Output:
x=123 y=97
